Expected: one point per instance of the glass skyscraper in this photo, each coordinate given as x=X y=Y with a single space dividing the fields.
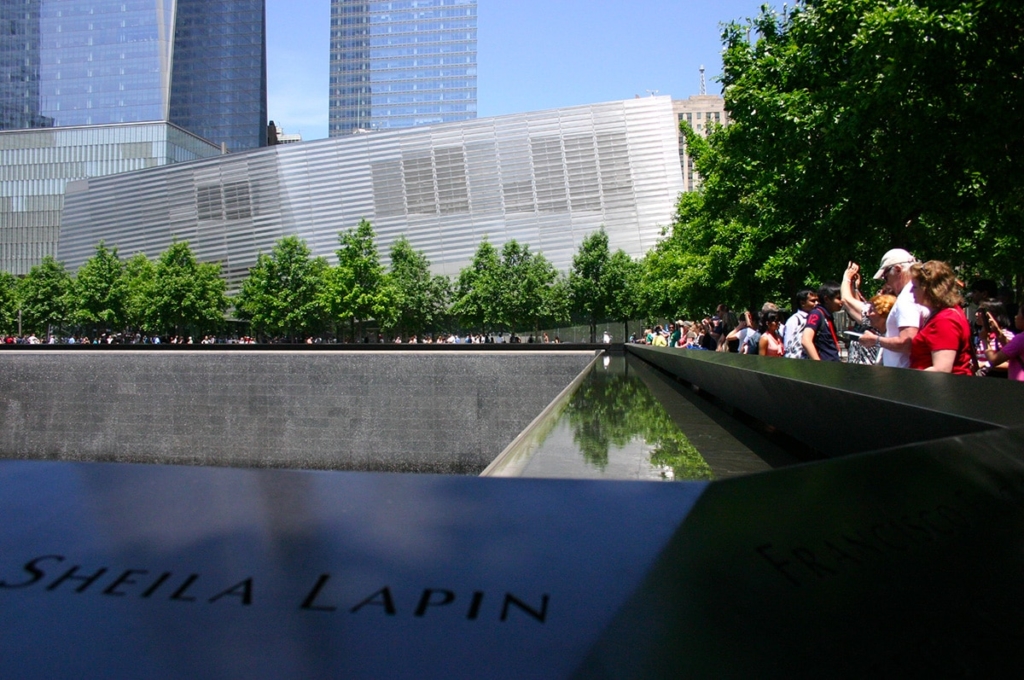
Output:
x=219 y=83
x=200 y=64
x=401 y=63
x=90 y=88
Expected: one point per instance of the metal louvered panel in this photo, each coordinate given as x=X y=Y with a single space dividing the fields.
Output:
x=547 y=179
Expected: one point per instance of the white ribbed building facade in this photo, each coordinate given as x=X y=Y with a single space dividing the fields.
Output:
x=547 y=179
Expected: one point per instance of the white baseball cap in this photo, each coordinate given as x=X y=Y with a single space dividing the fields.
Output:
x=894 y=257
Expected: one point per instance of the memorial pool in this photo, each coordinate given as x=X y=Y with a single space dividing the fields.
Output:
x=622 y=419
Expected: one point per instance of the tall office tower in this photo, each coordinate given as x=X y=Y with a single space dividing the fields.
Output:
x=97 y=62
x=97 y=87
x=400 y=64
x=19 y=65
x=219 y=81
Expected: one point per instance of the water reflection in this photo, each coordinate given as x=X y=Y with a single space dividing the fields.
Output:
x=613 y=427
x=614 y=408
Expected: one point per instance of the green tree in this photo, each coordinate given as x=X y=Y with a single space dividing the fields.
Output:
x=187 y=296
x=856 y=126
x=614 y=408
x=283 y=294
x=47 y=297
x=476 y=290
x=591 y=299
x=9 y=303
x=557 y=303
x=357 y=288
x=523 y=287
x=621 y=280
x=139 y=287
x=100 y=290
x=688 y=270
x=421 y=300
x=441 y=294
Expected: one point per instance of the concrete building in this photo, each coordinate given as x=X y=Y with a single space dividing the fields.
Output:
x=108 y=86
x=699 y=111
x=547 y=179
x=281 y=137
x=401 y=64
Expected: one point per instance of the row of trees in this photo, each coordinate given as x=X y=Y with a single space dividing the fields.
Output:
x=856 y=126
x=289 y=294
x=172 y=295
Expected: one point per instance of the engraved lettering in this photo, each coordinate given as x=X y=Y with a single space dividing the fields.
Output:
x=427 y=600
x=308 y=603
x=123 y=579
x=812 y=563
x=861 y=542
x=474 y=605
x=384 y=595
x=32 y=569
x=780 y=565
x=513 y=600
x=839 y=554
x=950 y=512
x=918 y=528
x=925 y=514
x=156 y=584
x=876 y=531
x=242 y=590
x=71 y=575
x=179 y=594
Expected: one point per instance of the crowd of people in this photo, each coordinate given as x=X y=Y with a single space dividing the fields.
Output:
x=921 y=318
x=148 y=339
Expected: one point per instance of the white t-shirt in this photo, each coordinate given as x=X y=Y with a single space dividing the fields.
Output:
x=789 y=332
x=904 y=314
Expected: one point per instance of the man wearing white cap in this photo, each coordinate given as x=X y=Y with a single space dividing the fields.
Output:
x=906 y=317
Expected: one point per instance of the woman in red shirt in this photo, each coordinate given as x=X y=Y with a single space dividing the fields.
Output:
x=943 y=343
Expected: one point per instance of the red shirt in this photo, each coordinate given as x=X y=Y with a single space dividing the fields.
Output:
x=946 y=329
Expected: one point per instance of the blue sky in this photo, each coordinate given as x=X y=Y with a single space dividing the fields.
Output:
x=532 y=55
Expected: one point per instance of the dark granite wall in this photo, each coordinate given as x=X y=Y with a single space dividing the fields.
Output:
x=429 y=412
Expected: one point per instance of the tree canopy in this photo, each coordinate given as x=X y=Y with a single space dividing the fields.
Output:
x=8 y=302
x=187 y=296
x=101 y=290
x=46 y=296
x=357 y=288
x=421 y=300
x=477 y=288
x=856 y=126
x=283 y=294
x=591 y=299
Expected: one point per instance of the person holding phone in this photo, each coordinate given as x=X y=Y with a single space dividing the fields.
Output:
x=1010 y=352
x=906 y=318
x=992 y=322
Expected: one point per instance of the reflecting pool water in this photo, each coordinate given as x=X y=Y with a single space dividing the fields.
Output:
x=611 y=426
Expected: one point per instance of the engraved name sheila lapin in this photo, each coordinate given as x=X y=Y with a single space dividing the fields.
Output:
x=52 y=573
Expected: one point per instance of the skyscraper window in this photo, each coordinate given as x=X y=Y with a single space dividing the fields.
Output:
x=99 y=62
x=401 y=63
